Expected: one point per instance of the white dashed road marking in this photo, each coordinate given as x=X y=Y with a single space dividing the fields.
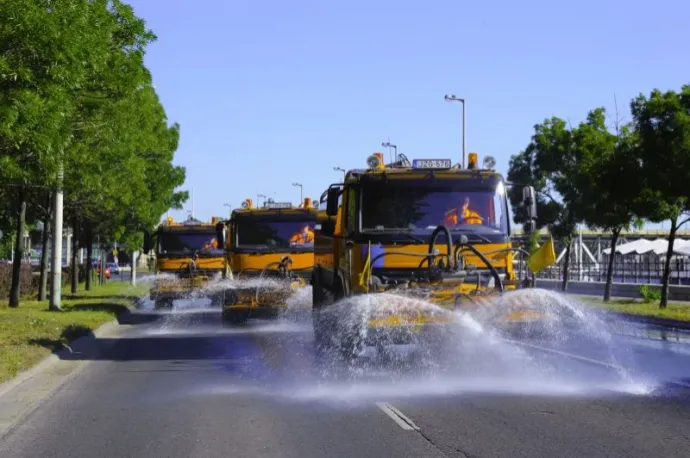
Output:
x=397 y=416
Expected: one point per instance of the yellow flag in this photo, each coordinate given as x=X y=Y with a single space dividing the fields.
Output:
x=366 y=272
x=543 y=257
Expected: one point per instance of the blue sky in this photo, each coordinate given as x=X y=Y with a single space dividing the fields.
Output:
x=269 y=92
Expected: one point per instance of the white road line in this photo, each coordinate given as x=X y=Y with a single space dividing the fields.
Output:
x=405 y=418
x=398 y=417
x=567 y=355
x=585 y=359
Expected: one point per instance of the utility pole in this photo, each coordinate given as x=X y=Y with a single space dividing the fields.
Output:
x=301 y=199
x=389 y=145
x=56 y=264
x=133 y=278
x=453 y=98
x=340 y=169
x=192 y=202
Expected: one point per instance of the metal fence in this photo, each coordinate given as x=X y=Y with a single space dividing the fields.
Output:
x=645 y=271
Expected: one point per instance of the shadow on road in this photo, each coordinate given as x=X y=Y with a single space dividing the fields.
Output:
x=114 y=309
x=185 y=334
x=69 y=334
x=168 y=348
x=132 y=298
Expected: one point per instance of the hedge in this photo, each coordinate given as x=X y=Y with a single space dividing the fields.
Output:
x=28 y=286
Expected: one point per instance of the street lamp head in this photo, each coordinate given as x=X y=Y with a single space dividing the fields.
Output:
x=297 y=184
x=454 y=98
x=385 y=144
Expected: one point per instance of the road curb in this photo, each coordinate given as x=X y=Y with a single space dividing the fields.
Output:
x=13 y=412
x=661 y=322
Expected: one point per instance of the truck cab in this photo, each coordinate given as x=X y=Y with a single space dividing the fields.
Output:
x=270 y=254
x=423 y=229
x=188 y=256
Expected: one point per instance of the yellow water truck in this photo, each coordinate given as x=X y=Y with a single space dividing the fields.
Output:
x=423 y=229
x=188 y=255
x=270 y=255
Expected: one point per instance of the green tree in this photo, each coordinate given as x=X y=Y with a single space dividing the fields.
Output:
x=610 y=161
x=120 y=173
x=75 y=95
x=662 y=122
x=46 y=51
x=99 y=167
x=549 y=164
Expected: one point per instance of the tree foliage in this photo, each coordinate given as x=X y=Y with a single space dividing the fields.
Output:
x=75 y=94
x=550 y=163
x=662 y=123
x=611 y=180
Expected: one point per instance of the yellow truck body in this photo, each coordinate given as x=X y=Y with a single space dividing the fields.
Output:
x=270 y=256
x=188 y=257
x=434 y=236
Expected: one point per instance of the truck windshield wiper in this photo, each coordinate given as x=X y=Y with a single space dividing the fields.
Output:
x=472 y=231
x=396 y=231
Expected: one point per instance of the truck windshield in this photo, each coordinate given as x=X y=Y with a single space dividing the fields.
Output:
x=275 y=235
x=187 y=243
x=421 y=210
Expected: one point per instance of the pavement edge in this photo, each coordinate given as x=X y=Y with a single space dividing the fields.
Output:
x=25 y=378
x=654 y=321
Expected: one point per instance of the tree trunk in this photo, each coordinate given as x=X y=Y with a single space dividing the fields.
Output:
x=75 y=255
x=566 y=266
x=133 y=276
x=89 y=255
x=43 y=281
x=667 y=264
x=18 y=251
x=609 y=271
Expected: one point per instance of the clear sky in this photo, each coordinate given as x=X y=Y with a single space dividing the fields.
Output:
x=271 y=92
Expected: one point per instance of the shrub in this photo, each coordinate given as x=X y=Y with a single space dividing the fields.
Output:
x=26 y=281
x=29 y=280
x=650 y=294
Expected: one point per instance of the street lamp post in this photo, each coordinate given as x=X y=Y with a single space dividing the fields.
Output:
x=453 y=98
x=300 y=191
x=340 y=169
x=258 y=197
x=390 y=145
x=229 y=209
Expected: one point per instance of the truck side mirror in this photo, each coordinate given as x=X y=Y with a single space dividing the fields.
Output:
x=332 y=201
x=148 y=242
x=220 y=235
x=529 y=201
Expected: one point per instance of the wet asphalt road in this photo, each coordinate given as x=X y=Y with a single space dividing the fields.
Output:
x=181 y=385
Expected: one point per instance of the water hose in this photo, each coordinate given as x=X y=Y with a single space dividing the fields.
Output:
x=487 y=263
x=501 y=250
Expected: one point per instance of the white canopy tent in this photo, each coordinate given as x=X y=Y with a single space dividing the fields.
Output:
x=681 y=247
